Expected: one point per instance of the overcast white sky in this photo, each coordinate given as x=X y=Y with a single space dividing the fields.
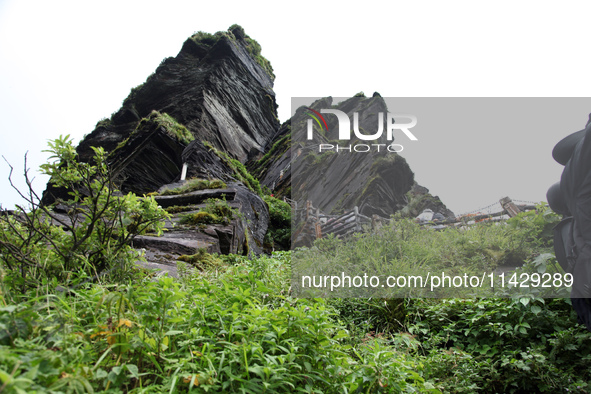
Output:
x=64 y=65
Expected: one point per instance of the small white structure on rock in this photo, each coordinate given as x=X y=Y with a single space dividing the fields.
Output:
x=425 y=216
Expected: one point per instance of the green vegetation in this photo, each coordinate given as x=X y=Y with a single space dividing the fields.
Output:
x=279 y=232
x=216 y=211
x=104 y=122
x=240 y=172
x=502 y=345
x=201 y=260
x=172 y=127
x=167 y=122
x=41 y=248
x=233 y=325
x=236 y=32
x=416 y=204
x=407 y=248
x=253 y=47
x=205 y=38
x=239 y=332
x=180 y=208
x=195 y=184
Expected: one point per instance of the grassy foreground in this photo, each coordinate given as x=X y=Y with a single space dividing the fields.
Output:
x=236 y=328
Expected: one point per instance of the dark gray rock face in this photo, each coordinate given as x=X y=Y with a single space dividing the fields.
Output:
x=150 y=158
x=218 y=86
x=420 y=199
x=273 y=169
x=335 y=182
x=242 y=235
x=203 y=162
x=378 y=183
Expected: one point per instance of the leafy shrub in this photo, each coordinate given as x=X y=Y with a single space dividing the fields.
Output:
x=376 y=315
x=38 y=245
x=536 y=226
x=239 y=332
x=202 y=37
x=506 y=345
x=403 y=247
x=279 y=231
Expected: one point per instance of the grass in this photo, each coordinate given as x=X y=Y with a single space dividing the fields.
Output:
x=215 y=212
x=201 y=260
x=172 y=127
x=195 y=184
x=235 y=326
x=405 y=248
x=239 y=170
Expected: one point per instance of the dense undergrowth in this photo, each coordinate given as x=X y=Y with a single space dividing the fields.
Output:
x=236 y=329
x=234 y=325
x=406 y=248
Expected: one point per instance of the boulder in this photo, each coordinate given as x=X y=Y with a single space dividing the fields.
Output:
x=243 y=234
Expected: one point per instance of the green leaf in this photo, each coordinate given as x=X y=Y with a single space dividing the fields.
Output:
x=100 y=374
x=5 y=377
x=524 y=301
x=132 y=368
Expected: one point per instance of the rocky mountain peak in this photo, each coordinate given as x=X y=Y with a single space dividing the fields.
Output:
x=201 y=134
x=219 y=87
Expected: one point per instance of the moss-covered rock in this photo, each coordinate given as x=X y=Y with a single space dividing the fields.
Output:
x=201 y=260
x=193 y=185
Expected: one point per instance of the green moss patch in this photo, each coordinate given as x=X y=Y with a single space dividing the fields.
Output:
x=201 y=259
x=239 y=170
x=172 y=127
x=194 y=185
x=215 y=212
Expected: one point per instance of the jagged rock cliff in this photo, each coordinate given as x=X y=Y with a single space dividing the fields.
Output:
x=217 y=91
x=219 y=87
x=210 y=113
x=379 y=183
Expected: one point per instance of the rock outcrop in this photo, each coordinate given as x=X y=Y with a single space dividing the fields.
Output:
x=420 y=199
x=219 y=87
x=241 y=231
x=378 y=182
x=210 y=107
x=209 y=115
